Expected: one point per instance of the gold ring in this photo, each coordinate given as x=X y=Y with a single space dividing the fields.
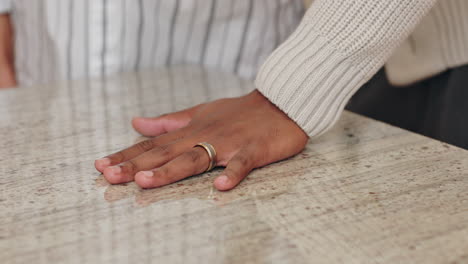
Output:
x=210 y=150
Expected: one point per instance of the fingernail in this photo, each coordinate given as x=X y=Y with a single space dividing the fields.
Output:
x=103 y=161
x=223 y=179
x=147 y=173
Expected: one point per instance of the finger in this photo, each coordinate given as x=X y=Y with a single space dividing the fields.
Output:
x=236 y=170
x=151 y=159
x=187 y=164
x=138 y=149
x=156 y=126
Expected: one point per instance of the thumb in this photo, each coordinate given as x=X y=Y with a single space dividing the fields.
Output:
x=155 y=126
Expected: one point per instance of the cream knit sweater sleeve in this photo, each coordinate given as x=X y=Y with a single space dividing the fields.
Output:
x=339 y=46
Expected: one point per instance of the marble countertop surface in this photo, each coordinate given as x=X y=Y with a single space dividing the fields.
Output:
x=365 y=192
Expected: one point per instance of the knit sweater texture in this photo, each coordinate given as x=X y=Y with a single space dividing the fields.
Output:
x=341 y=44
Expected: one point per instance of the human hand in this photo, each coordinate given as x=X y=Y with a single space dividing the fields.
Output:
x=247 y=132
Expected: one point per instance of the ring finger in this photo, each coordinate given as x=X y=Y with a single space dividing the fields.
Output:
x=192 y=162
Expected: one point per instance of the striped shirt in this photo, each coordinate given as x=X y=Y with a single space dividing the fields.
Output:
x=70 y=39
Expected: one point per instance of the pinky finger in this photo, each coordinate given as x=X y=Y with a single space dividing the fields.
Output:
x=236 y=170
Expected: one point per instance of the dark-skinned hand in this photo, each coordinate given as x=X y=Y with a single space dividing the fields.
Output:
x=247 y=132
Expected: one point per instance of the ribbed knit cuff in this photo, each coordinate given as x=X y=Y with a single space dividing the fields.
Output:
x=5 y=6
x=309 y=81
x=338 y=47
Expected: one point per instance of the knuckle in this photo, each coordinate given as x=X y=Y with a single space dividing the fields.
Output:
x=131 y=166
x=170 y=178
x=215 y=124
x=230 y=172
x=243 y=160
x=193 y=156
x=223 y=133
x=234 y=136
x=238 y=130
x=164 y=171
x=117 y=157
x=164 y=150
x=164 y=174
x=168 y=175
x=145 y=145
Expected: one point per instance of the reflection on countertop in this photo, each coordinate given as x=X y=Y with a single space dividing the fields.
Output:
x=365 y=192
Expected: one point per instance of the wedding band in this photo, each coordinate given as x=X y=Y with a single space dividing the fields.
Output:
x=211 y=154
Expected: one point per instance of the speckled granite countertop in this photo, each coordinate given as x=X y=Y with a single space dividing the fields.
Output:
x=364 y=193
